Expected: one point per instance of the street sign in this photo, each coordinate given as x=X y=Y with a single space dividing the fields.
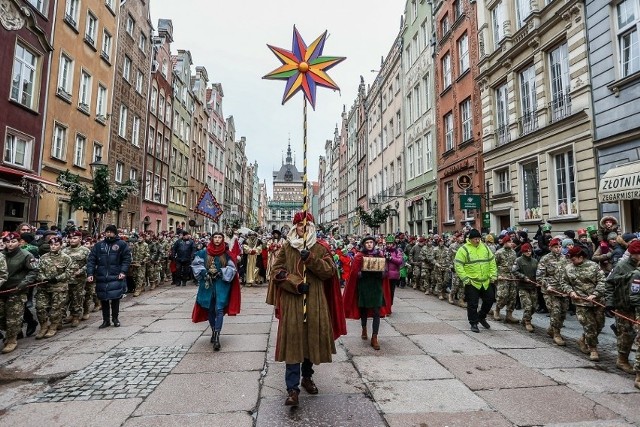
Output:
x=486 y=220
x=464 y=182
x=470 y=201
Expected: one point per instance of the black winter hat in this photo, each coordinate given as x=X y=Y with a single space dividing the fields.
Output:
x=111 y=228
x=474 y=233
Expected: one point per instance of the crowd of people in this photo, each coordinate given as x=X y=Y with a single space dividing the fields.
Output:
x=316 y=281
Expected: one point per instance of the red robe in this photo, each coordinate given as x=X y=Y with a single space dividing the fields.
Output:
x=351 y=309
x=345 y=260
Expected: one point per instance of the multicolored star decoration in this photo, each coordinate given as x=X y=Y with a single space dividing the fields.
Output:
x=304 y=67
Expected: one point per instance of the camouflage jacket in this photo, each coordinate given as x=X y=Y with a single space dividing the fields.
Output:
x=416 y=257
x=56 y=265
x=584 y=279
x=550 y=271
x=618 y=285
x=4 y=272
x=427 y=255
x=505 y=258
x=79 y=256
x=442 y=257
x=139 y=254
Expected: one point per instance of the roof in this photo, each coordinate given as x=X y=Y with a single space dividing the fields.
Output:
x=287 y=173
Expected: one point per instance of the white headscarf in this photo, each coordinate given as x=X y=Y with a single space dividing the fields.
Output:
x=298 y=242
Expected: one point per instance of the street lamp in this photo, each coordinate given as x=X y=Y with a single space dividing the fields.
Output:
x=96 y=165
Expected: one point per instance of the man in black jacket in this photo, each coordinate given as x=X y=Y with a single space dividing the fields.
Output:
x=183 y=250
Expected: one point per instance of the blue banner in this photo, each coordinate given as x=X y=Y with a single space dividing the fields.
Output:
x=208 y=205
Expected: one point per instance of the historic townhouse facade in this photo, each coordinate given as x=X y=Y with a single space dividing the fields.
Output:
x=128 y=121
x=287 y=194
x=458 y=114
x=385 y=141
x=322 y=196
x=199 y=143
x=353 y=220
x=180 y=141
x=362 y=151
x=419 y=118
x=612 y=29
x=216 y=148
x=342 y=172
x=159 y=132
x=25 y=45
x=537 y=139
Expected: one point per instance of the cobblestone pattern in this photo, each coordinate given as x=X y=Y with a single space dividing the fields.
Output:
x=119 y=374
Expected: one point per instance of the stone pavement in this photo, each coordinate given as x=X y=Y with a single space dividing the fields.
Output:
x=159 y=369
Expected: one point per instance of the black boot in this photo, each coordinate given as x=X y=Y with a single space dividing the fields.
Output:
x=216 y=341
x=105 y=314
x=213 y=334
x=116 y=322
x=105 y=324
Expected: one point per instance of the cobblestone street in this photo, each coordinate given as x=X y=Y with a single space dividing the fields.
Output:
x=159 y=369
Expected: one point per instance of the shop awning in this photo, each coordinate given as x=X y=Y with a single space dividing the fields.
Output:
x=7 y=184
x=17 y=174
x=620 y=183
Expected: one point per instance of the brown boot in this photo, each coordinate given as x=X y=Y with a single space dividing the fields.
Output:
x=85 y=316
x=75 y=321
x=550 y=331
x=636 y=383
x=557 y=338
x=496 y=314
x=583 y=345
x=374 y=342
x=53 y=329
x=136 y=293
x=153 y=286
x=364 y=334
x=462 y=304
x=528 y=326
x=510 y=319
x=441 y=296
x=43 y=330
x=451 y=299
x=623 y=363
x=10 y=345
x=593 y=355
x=67 y=319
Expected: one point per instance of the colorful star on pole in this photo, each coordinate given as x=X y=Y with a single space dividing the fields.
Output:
x=304 y=67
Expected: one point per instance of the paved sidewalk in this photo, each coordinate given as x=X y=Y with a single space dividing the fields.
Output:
x=159 y=369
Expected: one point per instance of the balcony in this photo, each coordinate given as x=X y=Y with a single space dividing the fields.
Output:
x=560 y=107
x=503 y=136
x=528 y=123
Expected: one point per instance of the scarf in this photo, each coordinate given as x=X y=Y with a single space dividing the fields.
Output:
x=214 y=250
x=298 y=242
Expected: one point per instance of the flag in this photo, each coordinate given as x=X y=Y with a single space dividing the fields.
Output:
x=208 y=205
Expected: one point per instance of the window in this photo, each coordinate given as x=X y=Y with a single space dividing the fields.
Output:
x=172 y=197
x=81 y=149
x=109 y=4
x=106 y=44
x=414 y=9
x=444 y=25
x=85 y=91
x=139 y=81
x=59 y=145
x=163 y=191
x=135 y=131
x=428 y=149
x=463 y=52
x=426 y=84
x=498 y=15
x=101 y=102
x=467 y=120
x=17 y=150
x=411 y=172
x=65 y=76
x=523 y=10
x=416 y=99
x=156 y=189
x=457 y=9
x=448 y=132
x=566 y=203
x=165 y=68
x=153 y=100
x=446 y=70
x=559 y=73
x=72 y=10
x=133 y=175
x=502 y=114
x=168 y=113
x=97 y=152
x=119 y=171
x=528 y=122
x=451 y=207
x=91 y=30
x=142 y=42
x=147 y=185
x=419 y=160
x=531 y=191
x=126 y=68
x=628 y=22
x=131 y=24
x=409 y=110
x=161 y=108
x=503 y=181
x=122 y=124
x=398 y=124
x=150 y=139
x=40 y=6
x=25 y=65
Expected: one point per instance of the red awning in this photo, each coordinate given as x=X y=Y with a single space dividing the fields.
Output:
x=32 y=177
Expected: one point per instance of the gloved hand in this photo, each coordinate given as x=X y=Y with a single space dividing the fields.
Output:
x=608 y=311
x=281 y=275
x=304 y=254
x=53 y=280
x=303 y=288
x=388 y=256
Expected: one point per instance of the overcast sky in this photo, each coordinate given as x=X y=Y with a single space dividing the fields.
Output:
x=229 y=38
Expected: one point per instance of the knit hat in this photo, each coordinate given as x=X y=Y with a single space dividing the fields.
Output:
x=546 y=227
x=111 y=228
x=489 y=238
x=526 y=248
x=474 y=234
x=576 y=251
x=627 y=237
x=567 y=242
x=570 y=234
x=366 y=239
x=634 y=247
x=612 y=236
x=592 y=229
x=390 y=239
x=554 y=242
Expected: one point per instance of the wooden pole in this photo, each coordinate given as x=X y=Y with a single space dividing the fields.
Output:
x=305 y=201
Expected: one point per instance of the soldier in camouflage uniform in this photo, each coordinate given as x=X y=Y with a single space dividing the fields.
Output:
x=164 y=258
x=618 y=298
x=584 y=281
x=457 y=290
x=507 y=286
x=525 y=269
x=426 y=268
x=56 y=269
x=415 y=259
x=549 y=274
x=78 y=254
x=152 y=266
x=18 y=269
x=139 y=259
x=407 y=253
x=442 y=264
